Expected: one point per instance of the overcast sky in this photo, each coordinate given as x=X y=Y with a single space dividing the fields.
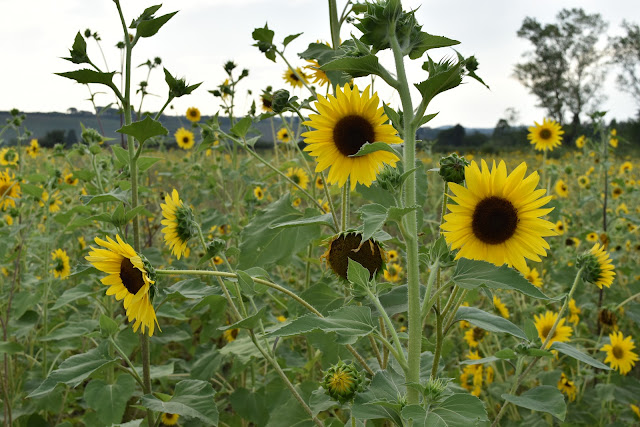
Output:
x=35 y=34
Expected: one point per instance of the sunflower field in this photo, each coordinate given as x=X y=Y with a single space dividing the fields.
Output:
x=346 y=275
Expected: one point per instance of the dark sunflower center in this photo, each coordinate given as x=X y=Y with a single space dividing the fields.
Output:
x=59 y=265
x=345 y=247
x=617 y=352
x=185 y=139
x=546 y=330
x=296 y=178
x=193 y=113
x=267 y=103
x=294 y=77
x=351 y=133
x=4 y=189
x=478 y=334
x=569 y=242
x=494 y=220
x=545 y=134
x=131 y=277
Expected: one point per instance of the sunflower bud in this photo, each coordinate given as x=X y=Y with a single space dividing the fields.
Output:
x=91 y=136
x=452 y=168
x=280 y=100
x=343 y=381
x=390 y=178
x=434 y=389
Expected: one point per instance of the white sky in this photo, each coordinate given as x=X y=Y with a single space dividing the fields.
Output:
x=35 y=34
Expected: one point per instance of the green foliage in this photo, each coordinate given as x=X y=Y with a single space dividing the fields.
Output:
x=144 y=129
x=191 y=398
x=489 y=321
x=110 y=400
x=543 y=398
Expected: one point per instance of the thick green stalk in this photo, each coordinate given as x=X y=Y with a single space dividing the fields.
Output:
x=410 y=228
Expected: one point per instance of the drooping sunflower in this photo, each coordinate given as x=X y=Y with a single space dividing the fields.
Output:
x=230 y=335
x=283 y=135
x=184 y=138
x=169 y=419
x=179 y=224
x=316 y=73
x=193 y=114
x=61 y=266
x=9 y=156
x=298 y=176
x=33 y=149
x=266 y=99
x=562 y=190
x=619 y=353
x=9 y=190
x=496 y=218
x=346 y=122
x=597 y=265
x=128 y=279
x=567 y=387
x=295 y=79
x=349 y=245
x=608 y=319
x=545 y=322
x=546 y=136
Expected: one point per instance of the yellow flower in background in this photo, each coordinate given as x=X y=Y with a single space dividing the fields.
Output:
x=281 y=318
x=128 y=278
x=546 y=136
x=392 y=255
x=613 y=142
x=496 y=218
x=8 y=219
x=298 y=176
x=296 y=202
x=82 y=243
x=325 y=206
x=616 y=193
x=622 y=207
x=592 y=237
x=179 y=224
x=567 y=387
x=230 y=335
x=347 y=122
x=318 y=76
x=54 y=202
x=626 y=167
x=583 y=181
x=598 y=268
x=217 y=260
x=562 y=189
x=9 y=157
x=319 y=182
x=590 y=171
x=295 y=79
x=70 y=179
x=580 y=141
x=9 y=190
x=61 y=266
x=283 y=135
x=392 y=272
x=545 y=322
x=33 y=149
x=614 y=132
x=574 y=312
x=474 y=336
x=258 y=193
x=619 y=353
x=184 y=138
x=636 y=410
x=560 y=228
x=193 y=114
x=169 y=419
x=500 y=307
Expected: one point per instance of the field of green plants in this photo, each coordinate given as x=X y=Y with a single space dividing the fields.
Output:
x=346 y=276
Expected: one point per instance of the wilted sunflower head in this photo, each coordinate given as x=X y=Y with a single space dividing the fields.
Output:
x=349 y=245
x=608 y=319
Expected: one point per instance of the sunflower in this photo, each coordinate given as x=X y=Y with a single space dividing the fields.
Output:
x=54 y=202
x=193 y=114
x=574 y=312
x=281 y=318
x=349 y=245
x=283 y=135
x=560 y=228
x=70 y=179
x=9 y=190
x=258 y=193
x=179 y=224
x=319 y=182
x=217 y=260
x=608 y=319
x=474 y=336
x=572 y=241
x=392 y=255
x=626 y=167
x=230 y=335
x=580 y=141
x=622 y=208
x=545 y=322
x=298 y=176
x=184 y=138
x=60 y=260
x=546 y=136
x=346 y=122
x=294 y=77
x=33 y=149
x=128 y=279
x=392 y=272
x=597 y=265
x=496 y=218
x=562 y=189
x=266 y=99
x=500 y=307
x=316 y=73
x=9 y=157
x=592 y=237
x=325 y=206
x=296 y=202
x=169 y=419
x=583 y=181
x=613 y=142
x=619 y=353
x=616 y=193
x=82 y=243
x=471 y=377
x=567 y=387
x=636 y=410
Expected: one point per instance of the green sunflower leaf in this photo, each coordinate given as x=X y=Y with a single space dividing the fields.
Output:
x=489 y=321
x=143 y=130
x=78 y=51
x=148 y=28
x=191 y=398
x=577 y=354
x=543 y=398
x=110 y=400
x=86 y=76
x=241 y=128
x=122 y=155
x=369 y=148
x=456 y=410
x=356 y=66
x=112 y=196
x=472 y=274
x=373 y=218
x=324 y=219
x=426 y=41
x=290 y=38
x=249 y=322
x=357 y=275
x=8 y=347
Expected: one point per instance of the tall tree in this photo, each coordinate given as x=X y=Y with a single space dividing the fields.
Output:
x=565 y=69
x=626 y=53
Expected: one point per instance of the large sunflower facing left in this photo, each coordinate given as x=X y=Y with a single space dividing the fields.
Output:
x=346 y=122
x=496 y=218
x=128 y=279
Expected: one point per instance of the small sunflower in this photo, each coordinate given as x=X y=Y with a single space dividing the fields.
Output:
x=325 y=206
x=283 y=135
x=9 y=190
x=347 y=122
x=545 y=322
x=572 y=242
x=266 y=99
x=592 y=237
x=392 y=272
x=562 y=190
x=626 y=167
x=169 y=419
x=619 y=353
x=179 y=224
x=316 y=73
x=33 y=149
x=560 y=228
x=128 y=279
x=281 y=318
x=496 y=218
x=258 y=193
x=9 y=157
x=613 y=142
x=597 y=265
x=53 y=202
x=193 y=114
x=184 y=138
x=61 y=266
x=500 y=307
x=298 y=176
x=295 y=78
x=567 y=387
x=319 y=183
x=574 y=312
x=583 y=181
x=622 y=208
x=474 y=336
x=392 y=255
x=296 y=202
x=546 y=136
x=635 y=409
x=230 y=335
x=608 y=319
x=349 y=245
x=70 y=179
x=617 y=192
x=580 y=141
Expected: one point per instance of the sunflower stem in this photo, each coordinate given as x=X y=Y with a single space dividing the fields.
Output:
x=410 y=222
x=396 y=341
x=344 y=214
